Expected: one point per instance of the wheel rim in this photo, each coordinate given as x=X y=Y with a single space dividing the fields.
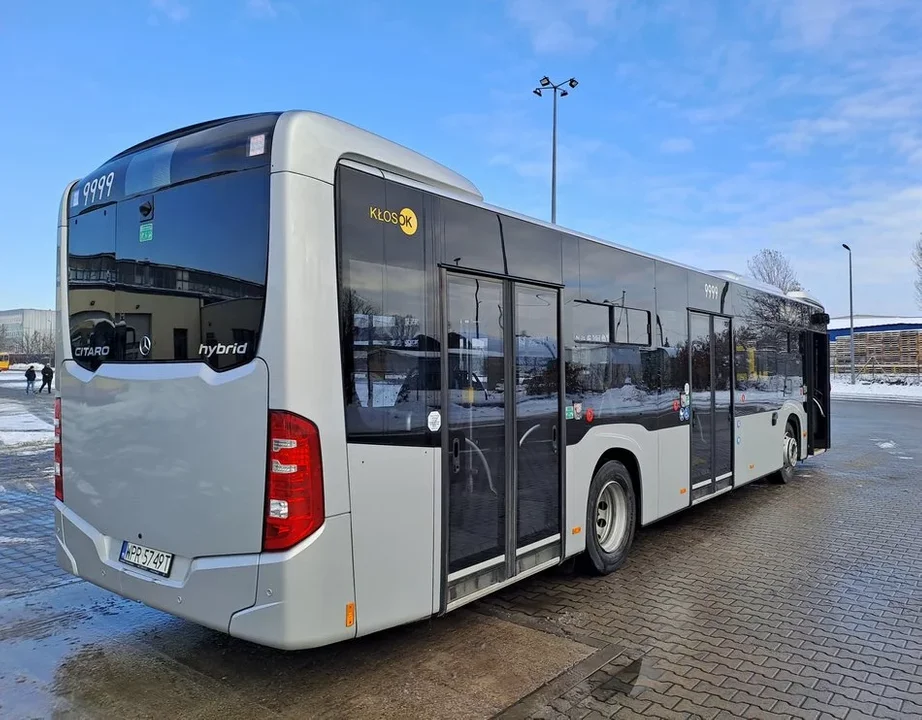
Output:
x=790 y=449
x=611 y=516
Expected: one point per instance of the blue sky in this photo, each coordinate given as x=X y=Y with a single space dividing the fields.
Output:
x=701 y=130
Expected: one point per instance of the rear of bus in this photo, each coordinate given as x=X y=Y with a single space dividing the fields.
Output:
x=177 y=482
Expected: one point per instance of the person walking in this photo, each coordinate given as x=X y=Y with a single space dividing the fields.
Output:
x=47 y=374
x=30 y=380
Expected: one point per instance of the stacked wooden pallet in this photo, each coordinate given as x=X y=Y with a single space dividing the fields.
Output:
x=892 y=352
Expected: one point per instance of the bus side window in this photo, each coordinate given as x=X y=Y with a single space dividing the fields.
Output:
x=383 y=310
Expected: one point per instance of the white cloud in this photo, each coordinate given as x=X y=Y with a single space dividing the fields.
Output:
x=716 y=114
x=262 y=9
x=512 y=142
x=804 y=133
x=880 y=225
x=562 y=26
x=820 y=24
x=909 y=145
x=172 y=10
x=676 y=146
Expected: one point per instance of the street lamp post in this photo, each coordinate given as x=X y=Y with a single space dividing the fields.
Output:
x=851 y=314
x=546 y=84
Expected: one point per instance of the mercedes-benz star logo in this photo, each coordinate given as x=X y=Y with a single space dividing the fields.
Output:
x=145 y=346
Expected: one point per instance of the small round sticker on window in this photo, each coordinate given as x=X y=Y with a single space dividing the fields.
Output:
x=434 y=420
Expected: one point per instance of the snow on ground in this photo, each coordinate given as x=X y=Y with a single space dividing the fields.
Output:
x=20 y=427
x=12 y=380
x=907 y=389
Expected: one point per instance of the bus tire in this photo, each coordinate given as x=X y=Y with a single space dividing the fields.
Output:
x=790 y=451
x=611 y=519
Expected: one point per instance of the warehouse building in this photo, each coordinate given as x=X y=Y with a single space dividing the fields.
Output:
x=25 y=322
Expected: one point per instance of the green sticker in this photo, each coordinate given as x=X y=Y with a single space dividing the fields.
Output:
x=569 y=411
x=146 y=233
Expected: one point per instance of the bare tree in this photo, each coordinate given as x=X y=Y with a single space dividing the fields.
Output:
x=772 y=267
x=38 y=344
x=917 y=261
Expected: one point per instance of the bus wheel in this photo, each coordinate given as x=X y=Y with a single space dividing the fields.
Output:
x=790 y=452
x=611 y=519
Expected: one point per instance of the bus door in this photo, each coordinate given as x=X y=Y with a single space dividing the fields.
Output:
x=711 y=404
x=816 y=372
x=502 y=452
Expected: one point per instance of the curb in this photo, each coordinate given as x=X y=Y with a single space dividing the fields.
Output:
x=892 y=399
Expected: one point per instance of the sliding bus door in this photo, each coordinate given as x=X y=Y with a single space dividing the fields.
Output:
x=710 y=373
x=502 y=459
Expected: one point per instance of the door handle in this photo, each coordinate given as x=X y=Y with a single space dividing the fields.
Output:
x=554 y=438
x=456 y=454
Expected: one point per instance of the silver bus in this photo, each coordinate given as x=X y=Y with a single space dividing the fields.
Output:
x=310 y=385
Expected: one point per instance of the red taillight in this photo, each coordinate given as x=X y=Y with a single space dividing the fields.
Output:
x=294 y=481
x=58 y=467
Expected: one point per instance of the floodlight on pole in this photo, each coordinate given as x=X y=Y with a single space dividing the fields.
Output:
x=546 y=84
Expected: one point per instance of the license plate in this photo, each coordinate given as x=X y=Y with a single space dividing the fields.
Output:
x=155 y=561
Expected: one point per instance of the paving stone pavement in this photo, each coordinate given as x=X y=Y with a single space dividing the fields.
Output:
x=27 y=547
x=796 y=601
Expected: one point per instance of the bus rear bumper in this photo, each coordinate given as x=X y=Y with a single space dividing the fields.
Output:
x=206 y=591
x=291 y=600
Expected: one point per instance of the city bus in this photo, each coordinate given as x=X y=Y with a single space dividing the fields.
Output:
x=4 y=361
x=310 y=385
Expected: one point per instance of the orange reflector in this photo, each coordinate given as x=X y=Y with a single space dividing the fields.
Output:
x=805 y=434
x=752 y=467
x=683 y=491
x=350 y=614
x=577 y=530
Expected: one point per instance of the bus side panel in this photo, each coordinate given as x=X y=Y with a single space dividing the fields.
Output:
x=581 y=461
x=758 y=446
x=674 y=454
x=759 y=449
x=301 y=325
x=304 y=596
x=392 y=533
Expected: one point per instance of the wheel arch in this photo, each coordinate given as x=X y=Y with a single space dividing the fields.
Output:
x=794 y=419
x=630 y=462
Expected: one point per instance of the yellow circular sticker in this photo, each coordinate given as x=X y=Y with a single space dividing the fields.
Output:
x=407 y=221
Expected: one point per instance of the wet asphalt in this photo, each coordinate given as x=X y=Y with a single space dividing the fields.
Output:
x=542 y=649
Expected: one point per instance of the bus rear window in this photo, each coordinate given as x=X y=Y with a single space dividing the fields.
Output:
x=178 y=274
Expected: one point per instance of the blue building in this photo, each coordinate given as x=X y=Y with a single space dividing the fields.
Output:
x=839 y=326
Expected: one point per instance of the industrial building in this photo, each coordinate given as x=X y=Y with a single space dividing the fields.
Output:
x=23 y=323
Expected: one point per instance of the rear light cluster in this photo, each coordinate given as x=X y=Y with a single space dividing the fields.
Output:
x=294 y=481
x=58 y=467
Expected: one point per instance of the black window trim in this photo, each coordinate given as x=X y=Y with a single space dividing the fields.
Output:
x=612 y=334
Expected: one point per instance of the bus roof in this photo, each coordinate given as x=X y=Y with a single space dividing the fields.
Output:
x=312 y=144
